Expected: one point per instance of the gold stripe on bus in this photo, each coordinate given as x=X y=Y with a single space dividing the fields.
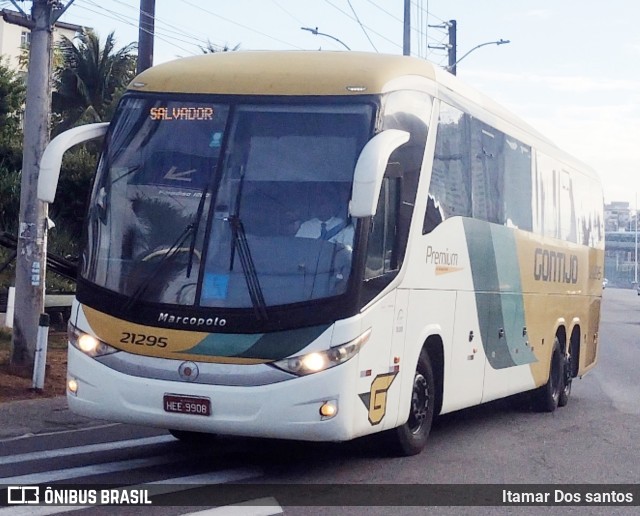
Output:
x=558 y=285
x=445 y=269
x=152 y=341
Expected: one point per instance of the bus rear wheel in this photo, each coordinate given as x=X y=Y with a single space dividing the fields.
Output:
x=547 y=398
x=566 y=388
x=411 y=438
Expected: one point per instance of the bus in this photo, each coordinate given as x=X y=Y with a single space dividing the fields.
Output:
x=466 y=266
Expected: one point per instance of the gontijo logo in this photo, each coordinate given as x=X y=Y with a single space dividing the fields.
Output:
x=555 y=266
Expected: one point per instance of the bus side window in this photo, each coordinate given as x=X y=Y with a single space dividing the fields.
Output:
x=486 y=172
x=450 y=188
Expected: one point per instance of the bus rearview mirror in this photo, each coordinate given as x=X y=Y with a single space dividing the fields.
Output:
x=370 y=169
x=51 y=160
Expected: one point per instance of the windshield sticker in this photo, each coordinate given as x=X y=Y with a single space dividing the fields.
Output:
x=215 y=286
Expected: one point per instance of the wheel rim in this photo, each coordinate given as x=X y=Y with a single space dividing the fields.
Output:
x=419 y=404
x=556 y=375
x=567 y=388
x=566 y=377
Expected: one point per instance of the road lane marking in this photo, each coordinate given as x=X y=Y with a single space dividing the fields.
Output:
x=31 y=435
x=89 y=448
x=85 y=471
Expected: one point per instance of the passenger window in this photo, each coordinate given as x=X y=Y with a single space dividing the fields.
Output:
x=450 y=188
x=486 y=173
x=478 y=172
x=518 y=185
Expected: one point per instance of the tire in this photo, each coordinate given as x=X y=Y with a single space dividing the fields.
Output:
x=188 y=437
x=547 y=397
x=566 y=387
x=411 y=438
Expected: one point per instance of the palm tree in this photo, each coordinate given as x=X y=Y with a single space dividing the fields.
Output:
x=90 y=79
x=210 y=48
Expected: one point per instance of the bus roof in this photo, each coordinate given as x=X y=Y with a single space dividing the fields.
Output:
x=281 y=73
x=320 y=73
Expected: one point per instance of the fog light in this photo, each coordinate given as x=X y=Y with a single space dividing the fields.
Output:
x=329 y=409
x=72 y=386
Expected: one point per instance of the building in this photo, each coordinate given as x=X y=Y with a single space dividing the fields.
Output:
x=617 y=216
x=620 y=245
x=14 y=38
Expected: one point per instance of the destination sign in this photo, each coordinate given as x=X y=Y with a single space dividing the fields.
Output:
x=181 y=113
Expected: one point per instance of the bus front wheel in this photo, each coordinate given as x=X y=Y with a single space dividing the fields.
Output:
x=411 y=438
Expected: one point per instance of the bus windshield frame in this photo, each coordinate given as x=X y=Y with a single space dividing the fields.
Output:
x=215 y=202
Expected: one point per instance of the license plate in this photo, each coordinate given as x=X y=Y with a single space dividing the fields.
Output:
x=192 y=405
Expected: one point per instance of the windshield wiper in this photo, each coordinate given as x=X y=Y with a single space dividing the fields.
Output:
x=196 y=226
x=167 y=253
x=248 y=267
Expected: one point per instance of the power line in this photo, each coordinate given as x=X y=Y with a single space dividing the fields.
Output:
x=423 y=15
x=361 y=26
x=369 y=28
x=240 y=24
x=297 y=20
x=172 y=29
x=429 y=13
x=420 y=21
x=134 y=21
x=107 y=13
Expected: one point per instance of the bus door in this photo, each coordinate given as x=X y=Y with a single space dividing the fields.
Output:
x=379 y=385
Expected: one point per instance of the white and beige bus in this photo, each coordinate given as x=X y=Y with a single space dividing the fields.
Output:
x=459 y=260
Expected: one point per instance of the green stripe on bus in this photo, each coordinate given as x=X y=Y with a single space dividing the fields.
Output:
x=267 y=346
x=496 y=280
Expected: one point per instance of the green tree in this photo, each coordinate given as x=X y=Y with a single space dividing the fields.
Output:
x=12 y=95
x=90 y=79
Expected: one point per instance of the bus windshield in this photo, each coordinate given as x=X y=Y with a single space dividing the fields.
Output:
x=225 y=205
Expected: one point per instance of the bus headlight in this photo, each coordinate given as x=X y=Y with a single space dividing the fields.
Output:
x=320 y=360
x=88 y=344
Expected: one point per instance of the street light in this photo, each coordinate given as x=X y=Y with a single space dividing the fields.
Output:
x=501 y=41
x=315 y=31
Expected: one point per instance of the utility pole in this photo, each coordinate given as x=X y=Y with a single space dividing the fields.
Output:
x=146 y=30
x=452 y=47
x=406 y=37
x=32 y=231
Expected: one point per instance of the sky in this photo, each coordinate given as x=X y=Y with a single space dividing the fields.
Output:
x=571 y=69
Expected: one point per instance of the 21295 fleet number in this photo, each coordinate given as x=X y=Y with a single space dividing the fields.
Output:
x=140 y=339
